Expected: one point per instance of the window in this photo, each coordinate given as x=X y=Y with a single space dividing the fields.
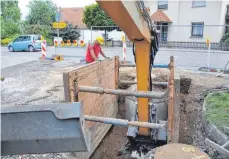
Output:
x=198 y=3
x=37 y=37
x=162 y=4
x=18 y=39
x=158 y=26
x=197 y=29
x=26 y=38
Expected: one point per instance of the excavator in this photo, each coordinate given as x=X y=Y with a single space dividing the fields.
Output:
x=133 y=18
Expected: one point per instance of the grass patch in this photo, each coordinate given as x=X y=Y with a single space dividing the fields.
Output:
x=217 y=110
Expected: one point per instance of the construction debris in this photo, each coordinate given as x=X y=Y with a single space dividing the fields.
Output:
x=221 y=149
x=57 y=57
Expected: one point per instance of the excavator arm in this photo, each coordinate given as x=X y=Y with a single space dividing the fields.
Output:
x=132 y=18
x=41 y=127
x=127 y=15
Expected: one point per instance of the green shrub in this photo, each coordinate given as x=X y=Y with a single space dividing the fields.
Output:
x=225 y=37
x=6 y=41
x=49 y=42
x=14 y=36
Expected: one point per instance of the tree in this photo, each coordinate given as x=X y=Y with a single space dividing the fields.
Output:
x=10 y=18
x=37 y=29
x=226 y=37
x=95 y=16
x=40 y=18
x=41 y=12
x=224 y=42
x=69 y=33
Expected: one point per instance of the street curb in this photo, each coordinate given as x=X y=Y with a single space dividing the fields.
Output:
x=211 y=130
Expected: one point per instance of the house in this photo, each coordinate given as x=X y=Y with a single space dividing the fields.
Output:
x=191 y=21
x=75 y=17
x=186 y=21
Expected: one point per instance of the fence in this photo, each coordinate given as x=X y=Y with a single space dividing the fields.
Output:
x=172 y=36
x=187 y=43
x=179 y=44
x=109 y=33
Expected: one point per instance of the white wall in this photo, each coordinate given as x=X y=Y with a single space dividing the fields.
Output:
x=182 y=13
x=172 y=12
x=210 y=15
x=86 y=35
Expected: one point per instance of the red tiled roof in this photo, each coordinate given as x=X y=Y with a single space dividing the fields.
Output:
x=73 y=15
x=160 y=16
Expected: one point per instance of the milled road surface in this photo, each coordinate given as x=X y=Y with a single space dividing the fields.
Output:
x=36 y=82
x=189 y=59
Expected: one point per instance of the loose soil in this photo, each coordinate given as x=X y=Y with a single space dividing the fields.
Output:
x=194 y=87
x=114 y=141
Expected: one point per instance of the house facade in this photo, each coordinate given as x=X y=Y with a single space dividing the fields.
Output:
x=75 y=17
x=178 y=20
x=191 y=21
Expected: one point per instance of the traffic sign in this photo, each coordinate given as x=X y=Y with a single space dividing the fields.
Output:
x=59 y=25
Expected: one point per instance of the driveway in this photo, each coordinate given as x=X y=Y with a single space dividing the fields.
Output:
x=14 y=58
x=189 y=59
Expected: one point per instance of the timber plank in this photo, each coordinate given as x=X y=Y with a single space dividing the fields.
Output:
x=98 y=74
x=171 y=101
x=176 y=115
x=173 y=104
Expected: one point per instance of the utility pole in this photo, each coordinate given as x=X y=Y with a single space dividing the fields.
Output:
x=58 y=30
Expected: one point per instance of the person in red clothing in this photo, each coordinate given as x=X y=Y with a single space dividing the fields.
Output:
x=94 y=49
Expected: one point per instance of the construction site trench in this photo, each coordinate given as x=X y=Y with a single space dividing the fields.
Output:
x=29 y=84
x=195 y=86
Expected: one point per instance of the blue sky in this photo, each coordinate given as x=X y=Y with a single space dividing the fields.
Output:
x=60 y=3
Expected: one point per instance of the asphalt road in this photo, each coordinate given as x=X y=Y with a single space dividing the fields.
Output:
x=189 y=59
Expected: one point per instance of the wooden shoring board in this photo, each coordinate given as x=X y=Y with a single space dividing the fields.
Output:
x=173 y=104
x=98 y=74
x=171 y=100
x=176 y=112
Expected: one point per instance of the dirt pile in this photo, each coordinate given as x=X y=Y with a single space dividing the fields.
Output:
x=125 y=77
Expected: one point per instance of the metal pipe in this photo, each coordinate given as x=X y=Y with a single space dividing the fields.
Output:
x=160 y=83
x=154 y=66
x=153 y=83
x=127 y=82
x=226 y=144
x=141 y=94
x=127 y=65
x=123 y=122
x=160 y=66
